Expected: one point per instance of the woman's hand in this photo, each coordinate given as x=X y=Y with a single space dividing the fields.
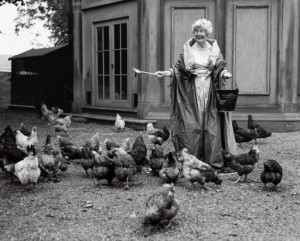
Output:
x=227 y=75
x=161 y=74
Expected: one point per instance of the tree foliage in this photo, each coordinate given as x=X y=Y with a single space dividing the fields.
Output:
x=56 y=15
x=15 y=2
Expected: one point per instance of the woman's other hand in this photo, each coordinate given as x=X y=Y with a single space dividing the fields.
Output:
x=227 y=75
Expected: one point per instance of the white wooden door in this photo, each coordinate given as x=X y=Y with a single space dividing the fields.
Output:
x=251 y=50
x=178 y=19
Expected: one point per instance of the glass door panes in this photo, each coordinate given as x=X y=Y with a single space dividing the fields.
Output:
x=112 y=61
x=103 y=60
x=120 y=57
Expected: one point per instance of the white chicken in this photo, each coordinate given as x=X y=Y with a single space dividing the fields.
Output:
x=23 y=141
x=119 y=123
x=27 y=170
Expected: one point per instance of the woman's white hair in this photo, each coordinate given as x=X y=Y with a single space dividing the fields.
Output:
x=204 y=24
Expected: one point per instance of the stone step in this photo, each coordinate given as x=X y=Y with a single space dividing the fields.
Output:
x=110 y=111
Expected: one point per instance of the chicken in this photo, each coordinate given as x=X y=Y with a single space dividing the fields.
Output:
x=95 y=143
x=197 y=171
x=157 y=136
x=10 y=150
x=57 y=111
x=61 y=124
x=125 y=166
x=161 y=207
x=241 y=135
x=51 y=160
x=24 y=141
x=27 y=170
x=87 y=157
x=119 y=123
x=24 y=130
x=48 y=114
x=272 y=173
x=109 y=144
x=242 y=163
x=156 y=159
x=103 y=168
x=139 y=152
x=68 y=149
x=171 y=169
x=262 y=133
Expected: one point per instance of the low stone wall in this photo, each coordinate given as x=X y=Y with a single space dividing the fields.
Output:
x=5 y=85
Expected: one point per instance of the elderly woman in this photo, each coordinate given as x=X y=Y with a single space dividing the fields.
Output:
x=195 y=121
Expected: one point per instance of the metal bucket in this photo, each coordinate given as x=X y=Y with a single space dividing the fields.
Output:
x=226 y=99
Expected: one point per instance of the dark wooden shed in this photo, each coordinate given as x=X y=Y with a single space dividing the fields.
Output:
x=43 y=75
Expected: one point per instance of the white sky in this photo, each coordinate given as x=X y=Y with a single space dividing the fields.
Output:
x=10 y=43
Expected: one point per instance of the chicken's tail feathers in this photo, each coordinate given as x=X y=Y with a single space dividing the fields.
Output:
x=10 y=168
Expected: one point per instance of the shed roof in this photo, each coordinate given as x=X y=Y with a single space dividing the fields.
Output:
x=36 y=52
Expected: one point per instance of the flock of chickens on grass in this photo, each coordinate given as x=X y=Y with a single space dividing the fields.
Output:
x=19 y=158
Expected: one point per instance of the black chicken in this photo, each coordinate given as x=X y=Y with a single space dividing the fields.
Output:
x=139 y=152
x=68 y=149
x=157 y=136
x=262 y=133
x=272 y=173
x=241 y=135
x=10 y=150
x=242 y=163
x=156 y=159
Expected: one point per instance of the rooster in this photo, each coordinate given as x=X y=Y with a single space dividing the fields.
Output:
x=242 y=163
x=262 y=133
x=139 y=152
x=272 y=173
x=161 y=207
x=103 y=168
x=197 y=171
x=157 y=136
x=171 y=169
x=156 y=159
x=125 y=166
x=24 y=141
x=241 y=135
x=27 y=170
x=119 y=123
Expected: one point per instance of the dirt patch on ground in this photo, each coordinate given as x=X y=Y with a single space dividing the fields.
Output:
x=77 y=209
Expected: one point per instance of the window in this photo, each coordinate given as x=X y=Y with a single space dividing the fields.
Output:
x=26 y=67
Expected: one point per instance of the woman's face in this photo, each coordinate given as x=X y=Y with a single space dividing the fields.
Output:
x=200 y=35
